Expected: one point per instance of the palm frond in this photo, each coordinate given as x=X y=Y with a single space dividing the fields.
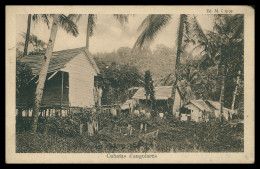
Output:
x=46 y=19
x=75 y=17
x=193 y=29
x=35 y=17
x=42 y=17
x=145 y=22
x=240 y=28
x=153 y=24
x=165 y=81
x=68 y=25
x=92 y=23
x=122 y=18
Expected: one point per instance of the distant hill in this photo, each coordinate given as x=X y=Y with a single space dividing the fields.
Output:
x=161 y=61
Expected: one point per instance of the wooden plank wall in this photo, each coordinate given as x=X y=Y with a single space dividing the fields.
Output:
x=51 y=93
x=81 y=81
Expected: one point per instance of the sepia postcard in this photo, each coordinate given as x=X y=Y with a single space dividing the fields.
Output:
x=130 y=84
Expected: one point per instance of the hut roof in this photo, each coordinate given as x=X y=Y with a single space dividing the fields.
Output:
x=200 y=104
x=214 y=104
x=161 y=93
x=58 y=61
x=128 y=103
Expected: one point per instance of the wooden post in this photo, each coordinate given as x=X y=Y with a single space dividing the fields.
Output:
x=235 y=91
x=141 y=127
x=61 y=96
x=81 y=129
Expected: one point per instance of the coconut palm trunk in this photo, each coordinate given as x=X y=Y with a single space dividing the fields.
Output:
x=222 y=91
x=235 y=92
x=179 y=44
x=179 y=50
x=43 y=73
x=88 y=32
x=27 y=34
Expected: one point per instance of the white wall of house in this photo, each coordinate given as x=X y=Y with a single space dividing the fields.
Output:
x=81 y=81
x=196 y=113
x=217 y=113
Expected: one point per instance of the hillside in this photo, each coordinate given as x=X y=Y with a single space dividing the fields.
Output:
x=161 y=61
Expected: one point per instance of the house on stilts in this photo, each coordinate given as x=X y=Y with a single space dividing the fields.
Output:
x=73 y=80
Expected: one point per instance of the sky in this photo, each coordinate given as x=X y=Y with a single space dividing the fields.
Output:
x=109 y=34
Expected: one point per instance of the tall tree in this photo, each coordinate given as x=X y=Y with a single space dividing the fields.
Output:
x=218 y=45
x=38 y=44
x=70 y=27
x=27 y=34
x=35 y=18
x=152 y=24
x=149 y=88
x=235 y=91
x=223 y=45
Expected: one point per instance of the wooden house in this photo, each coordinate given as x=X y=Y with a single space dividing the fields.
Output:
x=215 y=107
x=198 y=110
x=72 y=80
x=163 y=97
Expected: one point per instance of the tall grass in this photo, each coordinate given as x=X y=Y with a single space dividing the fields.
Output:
x=174 y=136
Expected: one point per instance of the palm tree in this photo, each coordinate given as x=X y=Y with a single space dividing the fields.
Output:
x=224 y=44
x=27 y=34
x=67 y=24
x=218 y=45
x=91 y=23
x=188 y=30
x=38 y=44
x=35 y=18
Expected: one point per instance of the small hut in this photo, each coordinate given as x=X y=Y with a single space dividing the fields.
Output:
x=197 y=110
x=71 y=81
x=215 y=107
x=162 y=98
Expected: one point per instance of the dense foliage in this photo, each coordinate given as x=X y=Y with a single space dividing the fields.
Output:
x=117 y=79
x=23 y=76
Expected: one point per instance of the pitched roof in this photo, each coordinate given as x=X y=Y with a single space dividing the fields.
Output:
x=161 y=93
x=214 y=104
x=58 y=61
x=199 y=104
x=127 y=104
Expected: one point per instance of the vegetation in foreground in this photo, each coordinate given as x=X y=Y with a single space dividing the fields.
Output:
x=174 y=136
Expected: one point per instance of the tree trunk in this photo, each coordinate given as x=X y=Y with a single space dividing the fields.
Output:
x=235 y=92
x=179 y=44
x=222 y=92
x=27 y=35
x=179 y=50
x=43 y=73
x=88 y=32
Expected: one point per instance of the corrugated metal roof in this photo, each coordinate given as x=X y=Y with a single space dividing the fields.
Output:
x=200 y=104
x=161 y=93
x=58 y=61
